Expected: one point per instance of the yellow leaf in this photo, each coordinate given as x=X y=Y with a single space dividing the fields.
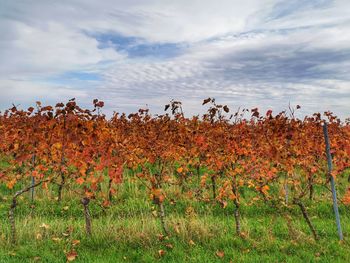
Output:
x=177 y=229
x=44 y=226
x=57 y=145
x=56 y=239
x=180 y=169
x=154 y=213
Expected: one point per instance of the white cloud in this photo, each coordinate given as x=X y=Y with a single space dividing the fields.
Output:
x=259 y=69
x=49 y=50
x=26 y=93
x=246 y=53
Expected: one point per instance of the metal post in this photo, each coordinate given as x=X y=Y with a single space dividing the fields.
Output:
x=33 y=179
x=334 y=193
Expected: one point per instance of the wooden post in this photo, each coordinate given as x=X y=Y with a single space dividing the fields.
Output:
x=334 y=193
x=85 y=202
x=286 y=190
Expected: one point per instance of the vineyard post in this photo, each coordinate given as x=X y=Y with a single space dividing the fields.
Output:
x=32 y=191
x=85 y=202
x=334 y=193
x=33 y=179
x=286 y=193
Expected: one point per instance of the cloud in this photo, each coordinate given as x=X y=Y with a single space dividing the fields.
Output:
x=258 y=68
x=30 y=92
x=153 y=20
x=143 y=53
x=38 y=51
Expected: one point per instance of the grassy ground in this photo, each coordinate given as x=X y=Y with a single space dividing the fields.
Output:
x=199 y=231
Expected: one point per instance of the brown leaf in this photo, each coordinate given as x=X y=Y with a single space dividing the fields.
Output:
x=220 y=254
x=224 y=204
x=75 y=242
x=161 y=252
x=71 y=255
x=169 y=246
x=206 y=101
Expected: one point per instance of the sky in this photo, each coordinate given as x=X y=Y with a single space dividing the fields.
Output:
x=142 y=53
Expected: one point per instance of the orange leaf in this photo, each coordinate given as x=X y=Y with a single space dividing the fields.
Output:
x=180 y=170
x=80 y=180
x=265 y=189
x=11 y=183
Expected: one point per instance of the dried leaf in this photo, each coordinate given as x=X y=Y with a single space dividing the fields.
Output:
x=44 y=226
x=169 y=246
x=206 y=101
x=75 y=242
x=56 y=239
x=71 y=255
x=180 y=170
x=220 y=254
x=161 y=252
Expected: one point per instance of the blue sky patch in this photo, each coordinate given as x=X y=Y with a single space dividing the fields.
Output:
x=136 y=47
x=74 y=76
x=286 y=8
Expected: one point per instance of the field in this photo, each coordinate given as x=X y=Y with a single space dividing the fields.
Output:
x=199 y=231
x=77 y=186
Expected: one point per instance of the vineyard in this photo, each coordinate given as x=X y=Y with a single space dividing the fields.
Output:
x=171 y=184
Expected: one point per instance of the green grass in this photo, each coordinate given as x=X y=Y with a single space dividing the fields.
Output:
x=129 y=232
